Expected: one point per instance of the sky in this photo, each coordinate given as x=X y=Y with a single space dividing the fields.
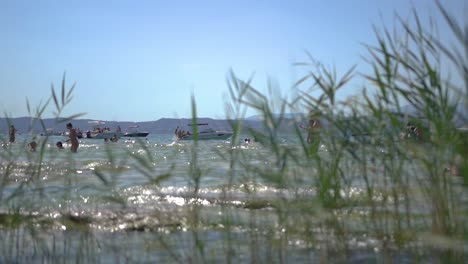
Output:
x=143 y=60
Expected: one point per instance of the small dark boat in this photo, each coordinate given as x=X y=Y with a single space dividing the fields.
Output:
x=136 y=134
x=133 y=132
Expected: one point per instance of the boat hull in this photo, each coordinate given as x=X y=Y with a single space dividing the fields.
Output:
x=50 y=134
x=103 y=135
x=218 y=135
x=136 y=134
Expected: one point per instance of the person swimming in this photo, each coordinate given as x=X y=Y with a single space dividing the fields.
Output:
x=114 y=138
x=32 y=146
x=59 y=145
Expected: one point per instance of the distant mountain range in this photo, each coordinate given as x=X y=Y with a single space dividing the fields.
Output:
x=296 y=116
x=161 y=126
x=168 y=125
x=460 y=119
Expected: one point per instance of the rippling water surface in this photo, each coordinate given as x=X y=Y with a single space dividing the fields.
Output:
x=134 y=199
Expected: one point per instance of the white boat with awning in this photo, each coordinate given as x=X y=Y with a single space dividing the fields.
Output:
x=204 y=134
x=99 y=131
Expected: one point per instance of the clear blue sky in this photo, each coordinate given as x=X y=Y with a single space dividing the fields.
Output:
x=142 y=60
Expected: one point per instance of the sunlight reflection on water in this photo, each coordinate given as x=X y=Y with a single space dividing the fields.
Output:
x=145 y=186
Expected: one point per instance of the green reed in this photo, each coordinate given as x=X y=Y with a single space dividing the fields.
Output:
x=407 y=69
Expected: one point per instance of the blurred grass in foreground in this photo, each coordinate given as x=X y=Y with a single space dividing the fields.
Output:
x=366 y=193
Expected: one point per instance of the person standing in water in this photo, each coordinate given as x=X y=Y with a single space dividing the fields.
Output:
x=73 y=139
x=12 y=132
x=32 y=146
x=313 y=131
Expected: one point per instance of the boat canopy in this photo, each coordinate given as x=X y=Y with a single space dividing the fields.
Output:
x=96 y=122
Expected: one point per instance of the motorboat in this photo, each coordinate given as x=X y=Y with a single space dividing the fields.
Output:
x=133 y=132
x=203 y=134
x=100 y=132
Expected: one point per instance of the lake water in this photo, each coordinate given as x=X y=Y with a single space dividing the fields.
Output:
x=156 y=200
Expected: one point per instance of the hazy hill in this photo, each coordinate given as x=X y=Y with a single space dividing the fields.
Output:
x=161 y=126
x=460 y=116
x=297 y=116
x=168 y=125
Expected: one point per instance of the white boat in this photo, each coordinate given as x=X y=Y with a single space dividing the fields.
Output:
x=99 y=132
x=205 y=134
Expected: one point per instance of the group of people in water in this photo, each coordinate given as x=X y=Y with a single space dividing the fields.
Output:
x=12 y=137
x=412 y=130
x=106 y=129
x=181 y=133
x=72 y=138
x=313 y=130
x=114 y=138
